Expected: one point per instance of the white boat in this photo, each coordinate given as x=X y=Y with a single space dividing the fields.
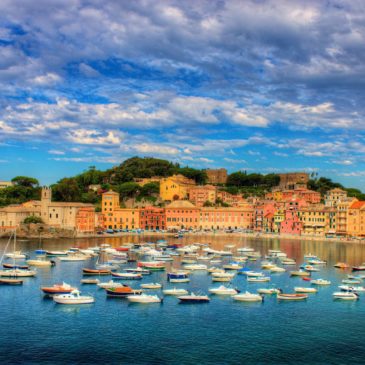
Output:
x=232 y=266
x=182 y=280
x=175 y=291
x=317 y=262
x=223 y=290
x=196 y=267
x=298 y=289
x=16 y=255
x=215 y=269
x=320 y=282
x=291 y=297
x=355 y=289
x=248 y=297
x=138 y=270
x=253 y=274
x=267 y=265
x=310 y=256
x=193 y=298
x=151 y=286
x=277 y=269
x=126 y=275
x=223 y=275
x=74 y=258
x=40 y=262
x=110 y=284
x=203 y=258
x=245 y=249
x=269 y=291
x=311 y=268
x=18 y=273
x=73 y=298
x=345 y=295
x=89 y=281
x=351 y=281
x=288 y=262
x=258 y=279
x=239 y=258
x=299 y=273
x=144 y=298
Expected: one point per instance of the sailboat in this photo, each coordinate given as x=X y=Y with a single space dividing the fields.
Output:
x=15 y=272
x=40 y=260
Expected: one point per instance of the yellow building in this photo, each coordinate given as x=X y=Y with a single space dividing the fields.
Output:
x=342 y=213
x=175 y=187
x=279 y=216
x=318 y=220
x=334 y=197
x=356 y=219
x=198 y=195
x=116 y=217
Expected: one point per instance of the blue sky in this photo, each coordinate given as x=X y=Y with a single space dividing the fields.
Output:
x=262 y=86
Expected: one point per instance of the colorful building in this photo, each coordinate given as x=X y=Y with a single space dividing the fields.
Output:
x=175 y=187
x=200 y=194
x=216 y=176
x=356 y=219
x=291 y=223
x=181 y=214
x=293 y=180
x=334 y=197
x=152 y=218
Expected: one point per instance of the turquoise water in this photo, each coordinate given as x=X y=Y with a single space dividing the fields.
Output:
x=35 y=330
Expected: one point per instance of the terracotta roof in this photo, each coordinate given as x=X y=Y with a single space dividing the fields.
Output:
x=357 y=205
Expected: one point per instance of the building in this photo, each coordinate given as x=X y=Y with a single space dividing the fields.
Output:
x=293 y=180
x=356 y=219
x=181 y=214
x=291 y=223
x=175 y=187
x=5 y=184
x=342 y=214
x=231 y=199
x=200 y=194
x=116 y=217
x=216 y=176
x=227 y=218
x=78 y=217
x=152 y=218
x=309 y=196
x=334 y=197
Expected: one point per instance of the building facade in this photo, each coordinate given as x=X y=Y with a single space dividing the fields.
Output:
x=175 y=187
x=216 y=176
x=182 y=214
x=200 y=194
x=152 y=218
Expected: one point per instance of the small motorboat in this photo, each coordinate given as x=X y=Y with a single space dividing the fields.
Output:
x=310 y=256
x=341 y=265
x=194 y=267
x=355 y=289
x=144 y=298
x=267 y=265
x=182 y=280
x=126 y=275
x=138 y=270
x=90 y=281
x=152 y=265
x=351 y=281
x=58 y=289
x=40 y=263
x=238 y=259
x=317 y=262
x=269 y=291
x=193 y=298
x=11 y=281
x=175 y=291
x=277 y=269
x=310 y=268
x=288 y=262
x=223 y=290
x=122 y=291
x=261 y=279
x=299 y=273
x=282 y=296
x=151 y=286
x=215 y=269
x=320 y=282
x=345 y=295
x=245 y=249
x=73 y=298
x=248 y=297
x=56 y=253
x=232 y=266
x=358 y=268
x=17 y=273
x=86 y=271
x=72 y=258
x=298 y=289
x=254 y=274
x=111 y=284
x=14 y=266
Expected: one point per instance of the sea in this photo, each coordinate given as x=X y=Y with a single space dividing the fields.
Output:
x=319 y=330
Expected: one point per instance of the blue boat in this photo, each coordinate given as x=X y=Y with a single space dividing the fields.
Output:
x=177 y=275
x=40 y=252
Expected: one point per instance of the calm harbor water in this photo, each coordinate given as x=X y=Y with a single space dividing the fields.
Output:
x=35 y=330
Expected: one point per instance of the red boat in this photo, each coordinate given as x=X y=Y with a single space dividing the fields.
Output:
x=12 y=266
x=122 y=291
x=95 y=272
x=122 y=249
x=306 y=279
x=58 y=289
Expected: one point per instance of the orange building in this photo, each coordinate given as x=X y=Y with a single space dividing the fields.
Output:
x=152 y=218
x=356 y=219
x=182 y=214
x=85 y=219
x=200 y=194
x=307 y=195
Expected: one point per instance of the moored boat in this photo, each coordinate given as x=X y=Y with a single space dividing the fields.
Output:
x=356 y=289
x=126 y=275
x=40 y=263
x=73 y=298
x=175 y=291
x=144 y=298
x=282 y=296
x=320 y=282
x=298 y=289
x=269 y=291
x=86 y=271
x=223 y=290
x=90 y=281
x=299 y=273
x=14 y=266
x=4 y=281
x=122 y=291
x=193 y=298
x=58 y=289
x=345 y=295
x=259 y=279
x=17 y=273
x=248 y=297
x=151 y=286
x=358 y=268
x=341 y=265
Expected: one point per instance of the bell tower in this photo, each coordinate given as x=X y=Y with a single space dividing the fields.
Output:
x=46 y=199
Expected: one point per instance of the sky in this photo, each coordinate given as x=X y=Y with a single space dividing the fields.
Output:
x=259 y=86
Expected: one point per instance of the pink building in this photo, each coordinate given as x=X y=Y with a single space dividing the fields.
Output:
x=291 y=223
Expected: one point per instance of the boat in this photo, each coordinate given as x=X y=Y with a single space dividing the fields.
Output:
x=299 y=273
x=151 y=286
x=317 y=262
x=341 y=265
x=73 y=298
x=258 y=279
x=320 y=282
x=238 y=258
x=248 y=297
x=215 y=269
x=223 y=290
x=232 y=266
x=14 y=266
x=16 y=255
x=144 y=298
x=358 y=268
x=194 y=267
x=254 y=274
x=17 y=273
x=89 y=281
x=269 y=291
x=56 y=253
x=282 y=296
x=175 y=291
x=193 y=298
x=310 y=268
x=345 y=295
x=11 y=281
x=310 y=256
x=58 y=289
x=126 y=275
x=245 y=249
x=110 y=284
x=277 y=269
x=298 y=289
x=351 y=281
x=86 y=271
x=267 y=265
x=356 y=289
x=288 y=262
x=40 y=262
x=122 y=291
x=152 y=265
x=138 y=270
x=223 y=275
x=71 y=258
x=182 y=280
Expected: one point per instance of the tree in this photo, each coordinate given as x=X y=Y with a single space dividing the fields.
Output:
x=200 y=176
x=128 y=190
x=33 y=219
x=208 y=204
x=28 y=182
x=67 y=190
x=150 y=189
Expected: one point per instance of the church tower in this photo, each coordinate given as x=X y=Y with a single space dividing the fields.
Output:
x=46 y=199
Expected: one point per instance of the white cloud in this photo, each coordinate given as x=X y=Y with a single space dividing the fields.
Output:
x=95 y=137
x=56 y=152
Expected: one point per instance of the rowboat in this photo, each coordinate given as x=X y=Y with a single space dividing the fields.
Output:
x=305 y=290
x=11 y=281
x=95 y=272
x=282 y=296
